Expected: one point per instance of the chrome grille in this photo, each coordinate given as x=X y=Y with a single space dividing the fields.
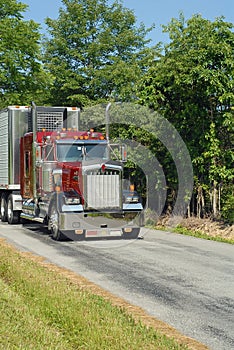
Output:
x=103 y=191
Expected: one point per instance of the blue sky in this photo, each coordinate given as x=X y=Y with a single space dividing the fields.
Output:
x=146 y=11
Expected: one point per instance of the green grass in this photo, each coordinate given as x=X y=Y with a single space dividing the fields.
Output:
x=184 y=231
x=42 y=309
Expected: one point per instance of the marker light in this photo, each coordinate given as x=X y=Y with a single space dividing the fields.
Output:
x=57 y=189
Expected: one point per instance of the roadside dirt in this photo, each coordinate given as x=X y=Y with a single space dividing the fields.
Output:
x=206 y=226
x=209 y=227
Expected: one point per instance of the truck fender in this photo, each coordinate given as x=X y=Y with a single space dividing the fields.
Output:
x=16 y=201
x=55 y=198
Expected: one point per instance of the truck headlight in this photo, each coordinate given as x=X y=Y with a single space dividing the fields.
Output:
x=131 y=197
x=71 y=200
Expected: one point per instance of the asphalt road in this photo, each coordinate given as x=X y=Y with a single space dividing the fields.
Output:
x=184 y=281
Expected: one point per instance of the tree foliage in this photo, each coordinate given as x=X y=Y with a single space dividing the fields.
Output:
x=95 y=52
x=21 y=74
x=192 y=85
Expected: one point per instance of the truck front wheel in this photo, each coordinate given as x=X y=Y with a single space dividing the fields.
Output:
x=3 y=207
x=13 y=216
x=56 y=234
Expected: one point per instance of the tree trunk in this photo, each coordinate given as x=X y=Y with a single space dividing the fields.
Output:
x=189 y=211
x=215 y=200
x=200 y=202
x=219 y=198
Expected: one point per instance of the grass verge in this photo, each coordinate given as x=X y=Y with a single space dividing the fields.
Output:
x=42 y=309
x=198 y=234
x=184 y=231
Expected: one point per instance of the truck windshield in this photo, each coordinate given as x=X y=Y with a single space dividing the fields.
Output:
x=77 y=153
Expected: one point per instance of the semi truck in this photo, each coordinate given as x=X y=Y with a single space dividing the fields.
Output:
x=57 y=175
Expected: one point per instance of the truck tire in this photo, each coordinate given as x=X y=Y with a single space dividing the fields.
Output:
x=133 y=235
x=4 y=207
x=56 y=234
x=13 y=216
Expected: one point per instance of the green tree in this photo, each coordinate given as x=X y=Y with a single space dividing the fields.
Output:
x=192 y=84
x=21 y=76
x=95 y=52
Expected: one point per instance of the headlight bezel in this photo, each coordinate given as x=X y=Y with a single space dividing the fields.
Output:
x=130 y=197
x=71 y=198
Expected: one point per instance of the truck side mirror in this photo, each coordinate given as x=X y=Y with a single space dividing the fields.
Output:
x=118 y=152
x=124 y=153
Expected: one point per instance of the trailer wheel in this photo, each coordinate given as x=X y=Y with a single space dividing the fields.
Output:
x=3 y=207
x=56 y=234
x=13 y=217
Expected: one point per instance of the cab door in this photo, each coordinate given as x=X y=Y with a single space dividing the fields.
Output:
x=26 y=175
